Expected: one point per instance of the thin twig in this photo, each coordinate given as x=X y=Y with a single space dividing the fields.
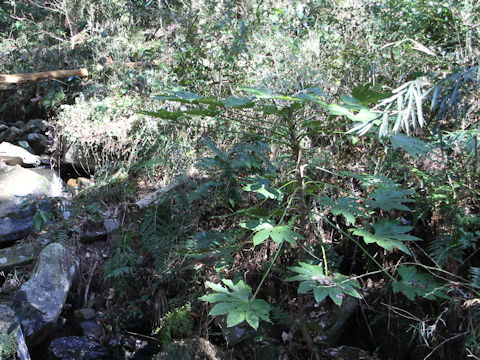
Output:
x=443 y=342
x=87 y=287
x=143 y=336
x=470 y=355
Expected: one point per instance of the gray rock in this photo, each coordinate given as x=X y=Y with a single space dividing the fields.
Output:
x=19 y=192
x=23 y=253
x=55 y=187
x=38 y=142
x=17 y=217
x=12 y=342
x=77 y=347
x=24 y=144
x=13 y=155
x=11 y=134
x=98 y=231
x=40 y=300
x=84 y=314
x=14 y=133
x=75 y=155
x=93 y=231
x=19 y=124
x=111 y=225
x=39 y=182
x=3 y=127
x=38 y=126
x=91 y=328
x=45 y=159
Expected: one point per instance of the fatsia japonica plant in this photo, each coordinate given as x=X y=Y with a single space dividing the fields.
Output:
x=287 y=122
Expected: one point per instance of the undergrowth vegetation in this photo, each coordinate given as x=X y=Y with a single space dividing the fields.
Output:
x=324 y=153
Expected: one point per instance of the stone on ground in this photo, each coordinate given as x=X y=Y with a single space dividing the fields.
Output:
x=40 y=300
x=77 y=347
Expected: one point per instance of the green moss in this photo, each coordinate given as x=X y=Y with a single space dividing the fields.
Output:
x=8 y=344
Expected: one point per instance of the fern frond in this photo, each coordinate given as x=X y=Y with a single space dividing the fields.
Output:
x=202 y=191
x=159 y=233
x=475 y=274
x=62 y=235
x=445 y=247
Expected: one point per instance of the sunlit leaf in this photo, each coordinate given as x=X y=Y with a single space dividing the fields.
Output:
x=278 y=234
x=388 y=234
x=335 y=286
x=238 y=103
x=346 y=206
x=236 y=302
x=262 y=187
x=368 y=94
x=259 y=93
x=388 y=198
x=415 y=283
x=310 y=98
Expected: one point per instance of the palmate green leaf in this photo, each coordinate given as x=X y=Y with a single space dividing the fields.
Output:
x=417 y=284
x=312 y=278
x=346 y=206
x=262 y=187
x=235 y=302
x=389 y=197
x=413 y=146
x=367 y=180
x=237 y=315
x=388 y=234
x=278 y=234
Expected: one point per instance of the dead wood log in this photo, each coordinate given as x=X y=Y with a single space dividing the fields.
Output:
x=156 y=195
x=38 y=76
x=8 y=81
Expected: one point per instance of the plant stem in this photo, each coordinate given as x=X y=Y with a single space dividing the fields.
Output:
x=268 y=270
x=325 y=265
x=358 y=244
